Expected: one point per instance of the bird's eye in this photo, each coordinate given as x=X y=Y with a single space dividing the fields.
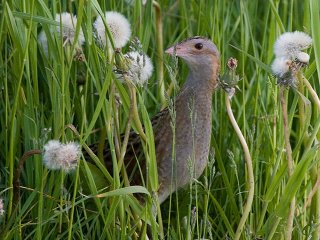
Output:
x=198 y=46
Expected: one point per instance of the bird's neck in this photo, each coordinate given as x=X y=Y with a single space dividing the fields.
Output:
x=195 y=97
x=202 y=79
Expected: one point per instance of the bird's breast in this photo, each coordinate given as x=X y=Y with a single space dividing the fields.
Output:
x=193 y=135
x=182 y=143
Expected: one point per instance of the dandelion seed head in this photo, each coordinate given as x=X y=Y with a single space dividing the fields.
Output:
x=1 y=207
x=302 y=39
x=290 y=57
x=43 y=42
x=140 y=67
x=61 y=156
x=50 y=155
x=283 y=69
x=280 y=66
x=70 y=154
x=303 y=57
x=290 y=44
x=119 y=28
x=68 y=31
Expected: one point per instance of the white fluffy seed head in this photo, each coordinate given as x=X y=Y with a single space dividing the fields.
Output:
x=119 y=28
x=290 y=44
x=140 y=67
x=61 y=156
x=43 y=42
x=50 y=154
x=303 y=57
x=280 y=66
x=1 y=207
x=67 y=32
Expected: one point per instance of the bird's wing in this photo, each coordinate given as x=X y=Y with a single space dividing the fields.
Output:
x=133 y=152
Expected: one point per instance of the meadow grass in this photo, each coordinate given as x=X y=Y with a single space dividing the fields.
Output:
x=59 y=97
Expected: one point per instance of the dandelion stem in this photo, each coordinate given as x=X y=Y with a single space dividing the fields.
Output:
x=137 y=121
x=313 y=93
x=247 y=207
x=288 y=234
x=16 y=179
x=313 y=192
x=127 y=133
x=315 y=173
x=128 y=127
x=302 y=117
x=116 y=140
x=116 y=124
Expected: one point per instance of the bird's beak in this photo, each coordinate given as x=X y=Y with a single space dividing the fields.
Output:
x=171 y=50
x=177 y=50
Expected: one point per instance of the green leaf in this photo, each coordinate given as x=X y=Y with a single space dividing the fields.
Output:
x=123 y=191
x=295 y=181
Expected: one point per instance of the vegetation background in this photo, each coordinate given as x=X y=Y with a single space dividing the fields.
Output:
x=40 y=96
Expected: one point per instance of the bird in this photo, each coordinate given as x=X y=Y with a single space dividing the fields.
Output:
x=191 y=133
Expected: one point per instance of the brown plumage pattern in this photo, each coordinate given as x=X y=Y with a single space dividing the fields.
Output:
x=192 y=132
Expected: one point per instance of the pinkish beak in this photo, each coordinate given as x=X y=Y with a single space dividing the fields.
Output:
x=170 y=50
x=176 y=50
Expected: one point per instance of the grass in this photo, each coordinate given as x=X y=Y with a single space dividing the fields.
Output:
x=41 y=96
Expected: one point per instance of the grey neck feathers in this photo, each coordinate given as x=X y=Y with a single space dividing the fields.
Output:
x=202 y=79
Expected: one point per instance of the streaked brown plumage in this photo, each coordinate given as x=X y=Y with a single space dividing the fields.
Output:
x=192 y=123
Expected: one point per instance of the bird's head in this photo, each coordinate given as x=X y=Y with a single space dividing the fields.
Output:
x=201 y=55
